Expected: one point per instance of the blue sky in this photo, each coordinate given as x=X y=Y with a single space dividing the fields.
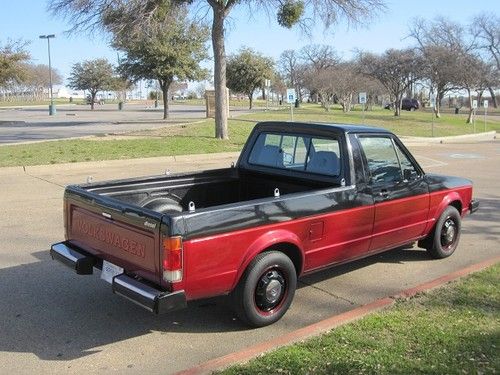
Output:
x=27 y=19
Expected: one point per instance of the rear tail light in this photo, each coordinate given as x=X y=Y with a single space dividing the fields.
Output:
x=172 y=259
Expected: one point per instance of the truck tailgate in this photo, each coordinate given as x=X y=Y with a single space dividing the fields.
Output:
x=127 y=240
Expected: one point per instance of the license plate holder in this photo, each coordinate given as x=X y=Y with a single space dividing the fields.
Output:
x=110 y=270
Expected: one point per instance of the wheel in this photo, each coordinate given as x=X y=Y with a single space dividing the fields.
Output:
x=446 y=234
x=163 y=205
x=266 y=289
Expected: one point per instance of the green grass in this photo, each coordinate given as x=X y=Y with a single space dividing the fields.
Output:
x=452 y=330
x=19 y=103
x=199 y=138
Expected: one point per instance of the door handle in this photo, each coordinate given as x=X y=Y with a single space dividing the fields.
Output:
x=384 y=194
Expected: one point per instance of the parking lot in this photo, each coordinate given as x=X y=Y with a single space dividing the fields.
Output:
x=54 y=321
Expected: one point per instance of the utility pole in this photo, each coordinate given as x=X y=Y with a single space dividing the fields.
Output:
x=52 y=108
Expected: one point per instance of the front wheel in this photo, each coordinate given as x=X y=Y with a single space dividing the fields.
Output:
x=266 y=289
x=446 y=234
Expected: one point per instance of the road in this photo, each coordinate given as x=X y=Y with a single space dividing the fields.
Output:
x=34 y=124
x=56 y=322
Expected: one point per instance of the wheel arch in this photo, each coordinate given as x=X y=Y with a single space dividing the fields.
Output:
x=279 y=240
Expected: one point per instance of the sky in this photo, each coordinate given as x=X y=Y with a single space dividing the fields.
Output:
x=27 y=19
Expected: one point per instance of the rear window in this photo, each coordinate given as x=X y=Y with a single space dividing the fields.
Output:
x=297 y=152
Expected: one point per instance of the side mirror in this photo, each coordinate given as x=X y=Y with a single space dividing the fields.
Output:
x=410 y=174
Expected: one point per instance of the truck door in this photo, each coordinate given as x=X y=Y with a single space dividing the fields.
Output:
x=399 y=191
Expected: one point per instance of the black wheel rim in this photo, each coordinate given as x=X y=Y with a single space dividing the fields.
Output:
x=449 y=232
x=270 y=291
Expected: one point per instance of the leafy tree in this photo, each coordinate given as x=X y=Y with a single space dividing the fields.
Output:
x=92 y=75
x=395 y=69
x=247 y=71
x=162 y=52
x=88 y=14
x=13 y=59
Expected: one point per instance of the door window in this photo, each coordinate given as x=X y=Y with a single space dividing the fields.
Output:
x=383 y=161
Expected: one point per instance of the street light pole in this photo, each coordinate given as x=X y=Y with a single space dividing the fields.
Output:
x=52 y=108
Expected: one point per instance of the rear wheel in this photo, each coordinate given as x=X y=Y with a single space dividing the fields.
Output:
x=446 y=234
x=266 y=290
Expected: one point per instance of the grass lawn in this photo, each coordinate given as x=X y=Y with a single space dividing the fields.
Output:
x=451 y=330
x=198 y=138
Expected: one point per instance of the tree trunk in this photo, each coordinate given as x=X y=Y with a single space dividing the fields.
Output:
x=397 y=107
x=250 y=98
x=437 y=108
x=165 y=86
x=471 y=110
x=92 y=99
x=263 y=93
x=493 y=97
x=221 y=104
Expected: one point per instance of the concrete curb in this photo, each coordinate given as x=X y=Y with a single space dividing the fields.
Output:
x=328 y=324
x=477 y=137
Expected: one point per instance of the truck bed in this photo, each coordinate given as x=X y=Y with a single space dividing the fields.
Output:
x=205 y=189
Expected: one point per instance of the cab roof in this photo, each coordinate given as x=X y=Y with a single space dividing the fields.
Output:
x=308 y=126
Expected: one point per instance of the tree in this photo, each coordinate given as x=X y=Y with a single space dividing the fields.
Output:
x=247 y=71
x=471 y=77
x=347 y=82
x=37 y=78
x=395 y=69
x=13 y=59
x=289 y=68
x=87 y=14
x=440 y=42
x=486 y=30
x=162 y=52
x=92 y=75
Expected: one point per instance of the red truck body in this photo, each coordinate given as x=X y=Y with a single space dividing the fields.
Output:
x=329 y=198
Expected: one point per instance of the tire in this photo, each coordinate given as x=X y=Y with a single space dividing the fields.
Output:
x=163 y=205
x=266 y=289
x=446 y=234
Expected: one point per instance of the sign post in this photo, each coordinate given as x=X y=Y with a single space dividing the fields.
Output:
x=290 y=98
x=485 y=105
x=362 y=101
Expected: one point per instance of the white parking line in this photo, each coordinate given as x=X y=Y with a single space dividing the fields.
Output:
x=426 y=162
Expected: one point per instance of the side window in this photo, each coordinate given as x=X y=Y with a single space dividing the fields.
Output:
x=406 y=163
x=383 y=162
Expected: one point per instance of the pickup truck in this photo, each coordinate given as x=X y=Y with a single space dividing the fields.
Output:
x=301 y=197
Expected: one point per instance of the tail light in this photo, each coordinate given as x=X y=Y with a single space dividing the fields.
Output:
x=172 y=259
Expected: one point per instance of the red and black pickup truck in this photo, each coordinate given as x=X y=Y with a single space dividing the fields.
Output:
x=302 y=197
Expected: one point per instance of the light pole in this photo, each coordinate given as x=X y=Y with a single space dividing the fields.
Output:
x=52 y=108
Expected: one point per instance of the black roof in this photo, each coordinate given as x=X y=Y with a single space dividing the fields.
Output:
x=304 y=126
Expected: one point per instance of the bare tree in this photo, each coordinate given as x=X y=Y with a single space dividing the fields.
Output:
x=486 y=30
x=395 y=69
x=88 y=14
x=347 y=83
x=440 y=41
x=471 y=77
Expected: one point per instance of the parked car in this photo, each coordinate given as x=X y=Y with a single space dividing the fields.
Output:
x=407 y=104
x=410 y=104
x=301 y=198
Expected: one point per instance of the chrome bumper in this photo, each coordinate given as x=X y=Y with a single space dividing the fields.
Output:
x=140 y=293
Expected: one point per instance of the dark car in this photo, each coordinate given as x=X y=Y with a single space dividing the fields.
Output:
x=407 y=104
x=410 y=104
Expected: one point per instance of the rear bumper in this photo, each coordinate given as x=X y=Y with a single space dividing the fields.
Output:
x=140 y=293
x=473 y=206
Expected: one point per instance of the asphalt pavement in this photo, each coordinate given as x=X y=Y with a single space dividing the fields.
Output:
x=25 y=124
x=54 y=321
